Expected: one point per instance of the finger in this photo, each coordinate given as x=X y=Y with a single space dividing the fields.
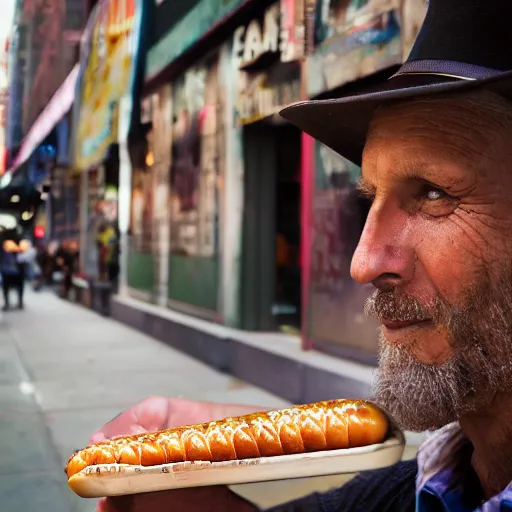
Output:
x=147 y=416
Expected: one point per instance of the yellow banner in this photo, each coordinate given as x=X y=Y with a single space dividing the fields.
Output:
x=107 y=75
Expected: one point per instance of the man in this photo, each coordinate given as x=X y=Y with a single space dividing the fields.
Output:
x=435 y=146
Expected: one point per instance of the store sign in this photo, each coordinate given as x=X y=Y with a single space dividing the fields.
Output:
x=280 y=31
x=263 y=93
x=257 y=39
x=107 y=68
x=261 y=98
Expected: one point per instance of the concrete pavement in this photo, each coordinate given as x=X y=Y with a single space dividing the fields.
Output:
x=64 y=371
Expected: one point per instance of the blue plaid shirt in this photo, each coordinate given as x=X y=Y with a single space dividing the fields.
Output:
x=446 y=481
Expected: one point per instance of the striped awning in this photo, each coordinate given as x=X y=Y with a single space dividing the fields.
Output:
x=57 y=108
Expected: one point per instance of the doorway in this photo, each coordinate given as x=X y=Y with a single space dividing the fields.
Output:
x=271 y=270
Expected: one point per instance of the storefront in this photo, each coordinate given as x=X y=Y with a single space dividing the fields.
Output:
x=150 y=156
x=198 y=149
x=266 y=53
x=354 y=41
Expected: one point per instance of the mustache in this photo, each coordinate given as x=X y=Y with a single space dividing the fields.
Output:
x=392 y=306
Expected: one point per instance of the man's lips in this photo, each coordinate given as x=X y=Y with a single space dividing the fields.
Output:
x=395 y=325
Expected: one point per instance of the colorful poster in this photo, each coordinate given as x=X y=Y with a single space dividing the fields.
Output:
x=108 y=60
x=356 y=38
x=353 y=39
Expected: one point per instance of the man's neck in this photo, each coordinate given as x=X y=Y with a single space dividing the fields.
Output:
x=490 y=432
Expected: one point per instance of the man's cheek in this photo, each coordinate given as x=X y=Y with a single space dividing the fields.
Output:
x=450 y=267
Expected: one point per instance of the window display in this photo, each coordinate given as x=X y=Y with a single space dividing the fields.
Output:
x=196 y=168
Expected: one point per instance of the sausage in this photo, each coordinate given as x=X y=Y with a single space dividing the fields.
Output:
x=329 y=425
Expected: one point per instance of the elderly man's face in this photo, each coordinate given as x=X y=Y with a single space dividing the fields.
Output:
x=437 y=246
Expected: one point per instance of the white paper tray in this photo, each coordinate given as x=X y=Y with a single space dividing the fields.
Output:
x=117 y=480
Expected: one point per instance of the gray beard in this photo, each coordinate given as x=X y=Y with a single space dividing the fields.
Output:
x=422 y=397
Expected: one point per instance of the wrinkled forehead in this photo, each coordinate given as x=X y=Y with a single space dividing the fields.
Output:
x=473 y=129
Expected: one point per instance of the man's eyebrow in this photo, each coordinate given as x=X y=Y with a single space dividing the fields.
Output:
x=365 y=188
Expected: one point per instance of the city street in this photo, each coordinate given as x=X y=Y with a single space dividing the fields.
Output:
x=64 y=371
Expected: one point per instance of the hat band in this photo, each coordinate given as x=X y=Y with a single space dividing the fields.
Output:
x=447 y=68
x=435 y=74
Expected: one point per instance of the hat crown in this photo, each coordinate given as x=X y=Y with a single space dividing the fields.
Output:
x=469 y=31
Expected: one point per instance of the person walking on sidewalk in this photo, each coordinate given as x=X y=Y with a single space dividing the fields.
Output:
x=12 y=272
x=435 y=147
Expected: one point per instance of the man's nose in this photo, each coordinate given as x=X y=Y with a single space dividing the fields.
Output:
x=384 y=255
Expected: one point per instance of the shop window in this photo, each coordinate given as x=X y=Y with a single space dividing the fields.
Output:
x=196 y=170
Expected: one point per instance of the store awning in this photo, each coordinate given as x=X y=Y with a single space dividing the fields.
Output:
x=56 y=109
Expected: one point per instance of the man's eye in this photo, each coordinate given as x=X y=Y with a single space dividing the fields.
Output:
x=434 y=194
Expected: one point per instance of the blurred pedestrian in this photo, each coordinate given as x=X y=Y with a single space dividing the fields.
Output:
x=107 y=243
x=27 y=256
x=12 y=271
x=44 y=270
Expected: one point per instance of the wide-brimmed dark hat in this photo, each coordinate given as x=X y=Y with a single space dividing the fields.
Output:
x=462 y=45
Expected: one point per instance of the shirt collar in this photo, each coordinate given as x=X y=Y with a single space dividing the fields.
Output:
x=445 y=473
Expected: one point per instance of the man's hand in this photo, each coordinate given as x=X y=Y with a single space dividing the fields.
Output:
x=158 y=413
x=199 y=499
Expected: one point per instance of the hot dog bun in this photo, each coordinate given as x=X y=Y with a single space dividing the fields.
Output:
x=331 y=425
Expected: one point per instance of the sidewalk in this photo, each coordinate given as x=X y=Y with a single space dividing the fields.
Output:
x=64 y=371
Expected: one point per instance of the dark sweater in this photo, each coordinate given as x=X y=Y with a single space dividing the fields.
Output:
x=391 y=489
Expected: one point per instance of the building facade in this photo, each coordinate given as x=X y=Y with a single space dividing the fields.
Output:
x=260 y=222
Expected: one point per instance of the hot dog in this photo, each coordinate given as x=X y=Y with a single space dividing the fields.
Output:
x=331 y=425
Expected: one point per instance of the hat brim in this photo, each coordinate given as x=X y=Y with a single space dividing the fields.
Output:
x=342 y=124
